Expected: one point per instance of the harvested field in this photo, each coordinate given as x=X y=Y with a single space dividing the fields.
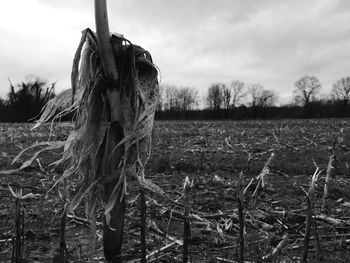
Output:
x=213 y=154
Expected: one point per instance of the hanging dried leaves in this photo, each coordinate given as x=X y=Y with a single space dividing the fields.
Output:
x=84 y=152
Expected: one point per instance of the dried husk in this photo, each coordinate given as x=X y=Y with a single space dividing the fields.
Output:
x=84 y=154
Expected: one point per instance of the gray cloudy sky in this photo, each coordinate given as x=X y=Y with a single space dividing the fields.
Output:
x=193 y=42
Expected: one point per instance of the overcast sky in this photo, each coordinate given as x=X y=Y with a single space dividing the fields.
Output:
x=193 y=42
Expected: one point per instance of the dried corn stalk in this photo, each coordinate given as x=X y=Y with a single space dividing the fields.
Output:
x=85 y=155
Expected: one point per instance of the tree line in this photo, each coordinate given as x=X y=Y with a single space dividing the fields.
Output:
x=237 y=100
x=251 y=101
x=25 y=100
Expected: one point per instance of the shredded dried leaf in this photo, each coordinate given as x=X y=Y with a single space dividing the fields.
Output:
x=87 y=155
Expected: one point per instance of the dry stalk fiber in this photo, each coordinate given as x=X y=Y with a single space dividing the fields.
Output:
x=278 y=248
x=327 y=181
x=114 y=96
x=143 y=211
x=18 y=244
x=83 y=151
x=187 y=227
x=309 y=219
x=91 y=150
x=19 y=230
x=240 y=199
x=261 y=177
x=317 y=241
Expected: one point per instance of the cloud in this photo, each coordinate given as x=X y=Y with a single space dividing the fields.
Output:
x=37 y=39
x=194 y=43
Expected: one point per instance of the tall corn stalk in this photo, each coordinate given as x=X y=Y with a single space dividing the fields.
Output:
x=114 y=94
x=113 y=231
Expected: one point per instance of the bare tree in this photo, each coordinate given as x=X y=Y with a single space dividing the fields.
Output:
x=305 y=92
x=341 y=91
x=170 y=94
x=255 y=91
x=306 y=89
x=267 y=98
x=226 y=94
x=261 y=97
x=215 y=96
x=187 y=98
x=184 y=98
x=238 y=92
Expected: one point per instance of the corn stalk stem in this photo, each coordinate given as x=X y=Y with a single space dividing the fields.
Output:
x=307 y=229
x=309 y=219
x=143 y=225
x=103 y=38
x=187 y=226
x=107 y=57
x=186 y=232
x=317 y=242
x=241 y=219
x=63 y=246
x=18 y=223
x=327 y=182
x=112 y=240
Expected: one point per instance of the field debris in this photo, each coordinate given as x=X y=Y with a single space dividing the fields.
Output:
x=274 y=224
